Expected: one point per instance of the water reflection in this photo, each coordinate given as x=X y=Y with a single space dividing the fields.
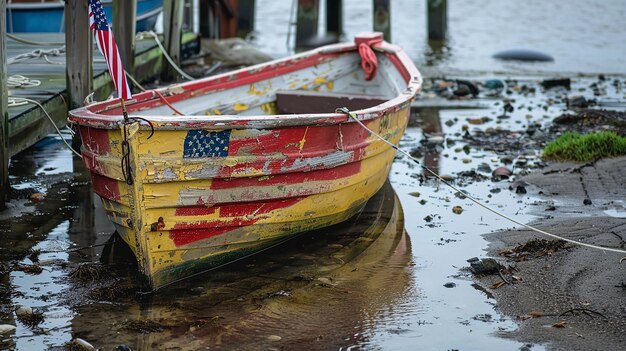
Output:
x=322 y=288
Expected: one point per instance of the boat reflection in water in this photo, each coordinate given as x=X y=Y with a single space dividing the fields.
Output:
x=323 y=289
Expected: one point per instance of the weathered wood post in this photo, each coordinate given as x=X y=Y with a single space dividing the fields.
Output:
x=78 y=48
x=172 y=30
x=306 y=22
x=208 y=19
x=245 y=17
x=382 y=18
x=437 y=19
x=124 y=28
x=4 y=113
x=78 y=43
x=334 y=18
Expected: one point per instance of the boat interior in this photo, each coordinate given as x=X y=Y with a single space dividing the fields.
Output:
x=320 y=88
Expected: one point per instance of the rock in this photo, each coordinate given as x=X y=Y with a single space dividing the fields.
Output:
x=523 y=55
x=24 y=311
x=508 y=107
x=519 y=186
x=415 y=194
x=457 y=209
x=466 y=84
x=485 y=266
x=435 y=140
x=6 y=328
x=587 y=202
x=484 y=167
x=449 y=285
x=274 y=338
x=577 y=102
x=81 y=344
x=123 y=347
x=37 y=197
x=494 y=84
x=501 y=173
x=558 y=82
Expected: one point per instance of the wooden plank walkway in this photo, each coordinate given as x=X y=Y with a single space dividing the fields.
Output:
x=28 y=123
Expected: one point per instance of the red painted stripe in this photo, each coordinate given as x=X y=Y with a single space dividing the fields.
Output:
x=106 y=187
x=95 y=140
x=334 y=173
x=232 y=214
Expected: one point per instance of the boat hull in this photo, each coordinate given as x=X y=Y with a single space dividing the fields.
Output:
x=192 y=193
x=31 y=17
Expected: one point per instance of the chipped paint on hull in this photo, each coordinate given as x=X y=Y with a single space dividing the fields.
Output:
x=210 y=189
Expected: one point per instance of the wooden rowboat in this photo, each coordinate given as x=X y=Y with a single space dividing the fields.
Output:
x=259 y=155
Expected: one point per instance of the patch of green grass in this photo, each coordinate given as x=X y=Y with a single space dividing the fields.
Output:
x=583 y=148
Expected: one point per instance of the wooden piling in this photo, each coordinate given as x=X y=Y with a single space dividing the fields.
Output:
x=78 y=44
x=334 y=18
x=307 y=22
x=245 y=18
x=173 y=11
x=124 y=28
x=382 y=18
x=4 y=113
x=437 y=19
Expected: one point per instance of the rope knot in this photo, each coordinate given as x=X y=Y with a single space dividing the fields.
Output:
x=369 y=61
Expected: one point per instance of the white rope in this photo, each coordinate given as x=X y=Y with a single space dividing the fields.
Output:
x=38 y=53
x=140 y=36
x=27 y=100
x=473 y=199
x=19 y=81
x=32 y=42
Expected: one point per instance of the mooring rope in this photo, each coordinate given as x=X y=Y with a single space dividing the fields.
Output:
x=27 y=100
x=154 y=36
x=470 y=197
x=32 y=42
x=38 y=53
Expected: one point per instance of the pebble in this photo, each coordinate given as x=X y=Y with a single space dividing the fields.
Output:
x=457 y=209
x=449 y=285
x=274 y=338
x=6 y=328
x=587 y=202
x=84 y=344
x=23 y=311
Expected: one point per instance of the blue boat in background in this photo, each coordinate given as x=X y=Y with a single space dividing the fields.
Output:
x=47 y=15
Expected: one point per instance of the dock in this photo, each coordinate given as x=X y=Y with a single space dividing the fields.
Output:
x=27 y=123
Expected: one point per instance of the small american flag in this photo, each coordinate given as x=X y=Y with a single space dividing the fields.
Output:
x=104 y=39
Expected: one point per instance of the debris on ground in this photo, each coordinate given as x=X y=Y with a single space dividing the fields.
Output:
x=533 y=249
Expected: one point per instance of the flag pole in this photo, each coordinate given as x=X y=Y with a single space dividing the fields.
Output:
x=124 y=111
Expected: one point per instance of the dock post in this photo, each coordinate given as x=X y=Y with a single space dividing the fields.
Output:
x=437 y=19
x=172 y=30
x=382 y=18
x=245 y=18
x=334 y=18
x=208 y=19
x=306 y=22
x=4 y=113
x=124 y=28
x=78 y=43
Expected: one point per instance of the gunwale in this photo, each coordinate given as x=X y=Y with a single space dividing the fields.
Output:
x=107 y=114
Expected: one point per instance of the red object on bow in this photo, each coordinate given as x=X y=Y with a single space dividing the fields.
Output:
x=369 y=62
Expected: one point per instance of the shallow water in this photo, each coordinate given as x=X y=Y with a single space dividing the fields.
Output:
x=583 y=36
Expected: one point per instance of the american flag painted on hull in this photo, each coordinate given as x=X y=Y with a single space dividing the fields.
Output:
x=104 y=40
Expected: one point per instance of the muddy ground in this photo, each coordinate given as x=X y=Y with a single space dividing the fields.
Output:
x=566 y=296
